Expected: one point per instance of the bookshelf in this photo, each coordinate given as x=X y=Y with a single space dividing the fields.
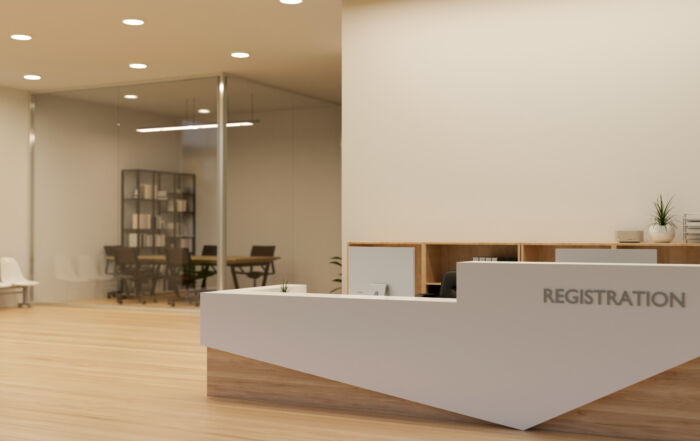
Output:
x=434 y=259
x=158 y=210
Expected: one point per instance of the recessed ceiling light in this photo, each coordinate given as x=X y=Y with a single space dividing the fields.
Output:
x=21 y=37
x=32 y=77
x=240 y=55
x=291 y=2
x=131 y=96
x=204 y=111
x=133 y=22
x=138 y=66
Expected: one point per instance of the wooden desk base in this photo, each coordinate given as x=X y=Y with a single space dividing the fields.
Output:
x=662 y=408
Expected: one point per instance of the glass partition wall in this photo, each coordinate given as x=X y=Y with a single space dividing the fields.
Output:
x=132 y=170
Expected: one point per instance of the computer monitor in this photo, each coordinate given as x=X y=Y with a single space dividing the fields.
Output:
x=369 y=268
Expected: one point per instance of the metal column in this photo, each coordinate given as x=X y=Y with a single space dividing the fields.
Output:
x=222 y=119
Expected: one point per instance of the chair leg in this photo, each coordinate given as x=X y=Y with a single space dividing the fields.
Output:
x=153 y=290
x=125 y=290
x=141 y=293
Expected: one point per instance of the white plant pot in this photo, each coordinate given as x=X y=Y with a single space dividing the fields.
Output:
x=661 y=233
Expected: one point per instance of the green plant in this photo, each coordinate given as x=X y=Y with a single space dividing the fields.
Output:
x=284 y=287
x=338 y=261
x=662 y=212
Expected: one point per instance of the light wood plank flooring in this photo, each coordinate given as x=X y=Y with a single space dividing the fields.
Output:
x=103 y=374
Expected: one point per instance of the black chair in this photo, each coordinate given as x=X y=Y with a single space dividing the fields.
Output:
x=109 y=252
x=110 y=267
x=448 y=286
x=129 y=270
x=257 y=271
x=181 y=273
x=208 y=269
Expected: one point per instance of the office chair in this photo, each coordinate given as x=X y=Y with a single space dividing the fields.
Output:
x=257 y=271
x=181 y=273
x=208 y=269
x=109 y=252
x=448 y=286
x=129 y=270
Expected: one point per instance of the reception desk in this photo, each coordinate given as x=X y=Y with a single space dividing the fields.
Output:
x=607 y=349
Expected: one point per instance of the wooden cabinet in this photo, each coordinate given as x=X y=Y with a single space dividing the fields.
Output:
x=434 y=259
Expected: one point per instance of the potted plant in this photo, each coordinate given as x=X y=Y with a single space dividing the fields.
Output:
x=337 y=261
x=662 y=230
x=284 y=287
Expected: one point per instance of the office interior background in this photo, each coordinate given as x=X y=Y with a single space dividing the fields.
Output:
x=394 y=121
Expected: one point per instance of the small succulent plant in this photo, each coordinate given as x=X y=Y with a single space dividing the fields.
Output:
x=662 y=212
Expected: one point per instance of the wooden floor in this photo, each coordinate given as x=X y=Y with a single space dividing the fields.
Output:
x=162 y=302
x=78 y=373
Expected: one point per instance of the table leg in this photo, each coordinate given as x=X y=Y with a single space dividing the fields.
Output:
x=267 y=270
x=233 y=273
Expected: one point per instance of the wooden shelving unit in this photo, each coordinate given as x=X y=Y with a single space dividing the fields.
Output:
x=434 y=259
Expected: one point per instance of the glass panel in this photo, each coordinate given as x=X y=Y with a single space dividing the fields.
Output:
x=284 y=184
x=134 y=168
x=114 y=169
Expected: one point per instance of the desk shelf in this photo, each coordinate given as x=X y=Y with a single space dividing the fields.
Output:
x=434 y=259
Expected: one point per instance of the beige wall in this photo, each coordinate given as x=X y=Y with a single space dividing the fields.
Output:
x=517 y=120
x=283 y=189
x=14 y=180
x=80 y=152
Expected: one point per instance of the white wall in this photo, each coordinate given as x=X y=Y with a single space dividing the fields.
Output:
x=80 y=152
x=14 y=180
x=517 y=120
x=283 y=189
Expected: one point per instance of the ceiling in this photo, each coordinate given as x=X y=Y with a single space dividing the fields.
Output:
x=83 y=44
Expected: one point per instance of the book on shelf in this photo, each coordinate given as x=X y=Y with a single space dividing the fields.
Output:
x=494 y=259
x=180 y=205
x=147 y=240
x=133 y=240
x=146 y=191
x=141 y=221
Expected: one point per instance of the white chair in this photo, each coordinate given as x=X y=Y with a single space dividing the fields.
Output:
x=88 y=269
x=11 y=273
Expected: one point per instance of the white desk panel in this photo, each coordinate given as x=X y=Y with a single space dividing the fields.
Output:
x=504 y=351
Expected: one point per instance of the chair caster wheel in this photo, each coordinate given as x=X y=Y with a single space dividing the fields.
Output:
x=19 y=305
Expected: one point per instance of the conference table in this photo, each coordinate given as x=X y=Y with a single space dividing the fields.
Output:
x=233 y=262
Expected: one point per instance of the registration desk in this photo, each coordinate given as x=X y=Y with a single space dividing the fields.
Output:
x=607 y=349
